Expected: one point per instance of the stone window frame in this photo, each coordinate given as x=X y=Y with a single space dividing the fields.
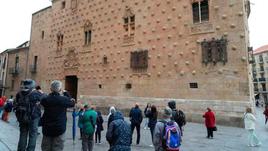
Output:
x=129 y=21
x=87 y=33
x=60 y=37
x=200 y=13
x=139 y=59
x=63 y=4
x=74 y=4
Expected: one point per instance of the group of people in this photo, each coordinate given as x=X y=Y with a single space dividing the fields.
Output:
x=30 y=99
x=166 y=131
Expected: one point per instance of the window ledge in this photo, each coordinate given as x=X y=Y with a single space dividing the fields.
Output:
x=202 y=28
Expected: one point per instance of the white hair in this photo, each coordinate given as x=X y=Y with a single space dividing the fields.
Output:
x=56 y=86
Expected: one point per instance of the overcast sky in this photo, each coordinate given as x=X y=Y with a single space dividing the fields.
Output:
x=15 y=16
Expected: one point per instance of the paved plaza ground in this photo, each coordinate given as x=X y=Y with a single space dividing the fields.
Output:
x=194 y=139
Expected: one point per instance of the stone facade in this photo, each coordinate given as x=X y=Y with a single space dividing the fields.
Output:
x=3 y=71
x=260 y=73
x=17 y=68
x=121 y=52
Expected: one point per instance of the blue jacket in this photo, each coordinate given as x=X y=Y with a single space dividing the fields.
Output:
x=119 y=134
x=54 y=118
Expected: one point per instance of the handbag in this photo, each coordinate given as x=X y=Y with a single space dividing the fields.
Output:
x=214 y=128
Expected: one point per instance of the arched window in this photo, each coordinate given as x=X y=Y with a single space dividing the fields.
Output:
x=87 y=33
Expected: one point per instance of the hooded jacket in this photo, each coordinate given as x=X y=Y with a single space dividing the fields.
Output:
x=119 y=134
x=110 y=116
x=180 y=120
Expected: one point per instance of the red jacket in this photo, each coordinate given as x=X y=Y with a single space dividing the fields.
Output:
x=209 y=119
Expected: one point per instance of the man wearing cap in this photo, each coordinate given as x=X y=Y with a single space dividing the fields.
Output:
x=54 y=118
x=28 y=112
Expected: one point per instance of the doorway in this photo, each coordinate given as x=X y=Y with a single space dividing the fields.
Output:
x=71 y=84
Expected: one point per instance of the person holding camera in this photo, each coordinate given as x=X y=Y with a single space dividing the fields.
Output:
x=54 y=119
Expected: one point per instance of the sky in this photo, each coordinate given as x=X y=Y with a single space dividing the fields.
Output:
x=15 y=17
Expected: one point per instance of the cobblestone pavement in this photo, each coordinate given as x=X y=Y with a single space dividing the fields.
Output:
x=226 y=138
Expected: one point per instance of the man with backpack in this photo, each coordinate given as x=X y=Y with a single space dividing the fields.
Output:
x=167 y=135
x=88 y=123
x=177 y=115
x=28 y=112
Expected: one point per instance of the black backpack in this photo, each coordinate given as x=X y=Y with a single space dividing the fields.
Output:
x=23 y=109
x=179 y=117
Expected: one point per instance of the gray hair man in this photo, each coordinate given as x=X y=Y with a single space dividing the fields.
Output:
x=54 y=118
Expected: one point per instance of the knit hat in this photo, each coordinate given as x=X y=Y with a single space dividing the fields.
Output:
x=167 y=112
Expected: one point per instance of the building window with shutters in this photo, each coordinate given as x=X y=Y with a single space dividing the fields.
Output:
x=200 y=11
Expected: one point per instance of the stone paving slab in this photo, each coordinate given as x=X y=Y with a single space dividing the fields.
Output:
x=225 y=139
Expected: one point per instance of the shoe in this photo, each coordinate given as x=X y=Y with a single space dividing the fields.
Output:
x=151 y=145
x=100 y=143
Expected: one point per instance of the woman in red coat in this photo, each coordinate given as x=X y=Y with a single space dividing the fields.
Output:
x=209 y=122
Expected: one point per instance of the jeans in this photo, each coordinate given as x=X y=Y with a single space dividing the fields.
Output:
x=253 y=139
x=138 y=126
x=87 y=142
x=28 y=132
x=210 y=132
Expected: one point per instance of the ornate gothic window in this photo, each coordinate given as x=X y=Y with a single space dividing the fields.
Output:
x=59 y=41
x=139 y=59
x=129 y=25
x=87 y=33
x=214 y=51
x=200 y=11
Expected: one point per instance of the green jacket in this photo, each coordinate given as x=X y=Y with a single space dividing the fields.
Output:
x=89 y=121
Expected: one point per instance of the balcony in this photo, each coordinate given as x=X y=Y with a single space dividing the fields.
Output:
x=262 y=79
x=255 y=80
x=33 y=68
x=261 y=69
x=15 y=71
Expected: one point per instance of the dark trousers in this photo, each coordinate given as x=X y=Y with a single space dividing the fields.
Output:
x=87 y=143
x=152 y=132
x=138 y=127
x=266 y=119
x=210 y=132
x=81 y=133
x=28 y=135
x=181 y=130
x=98 y=136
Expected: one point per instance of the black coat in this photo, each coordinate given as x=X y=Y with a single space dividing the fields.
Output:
x=99 y=122
x=54 y=118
